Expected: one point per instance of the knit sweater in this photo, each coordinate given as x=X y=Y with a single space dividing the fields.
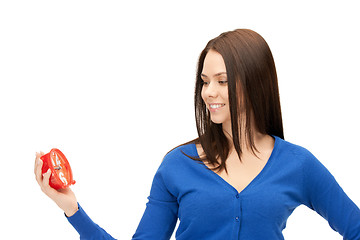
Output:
x=210 y=208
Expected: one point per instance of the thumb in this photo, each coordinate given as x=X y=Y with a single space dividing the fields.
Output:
x=46 y=188
x=46 y=176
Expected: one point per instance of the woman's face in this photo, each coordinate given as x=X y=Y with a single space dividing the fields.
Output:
x=215 y=88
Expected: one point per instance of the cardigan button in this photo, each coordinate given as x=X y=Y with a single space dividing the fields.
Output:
x=237 y=196
x=237 y=218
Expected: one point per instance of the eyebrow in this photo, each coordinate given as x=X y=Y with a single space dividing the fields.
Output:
x=215 y=75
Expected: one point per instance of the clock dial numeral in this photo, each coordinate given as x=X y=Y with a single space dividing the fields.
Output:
x=56 y=163
x=62 y=178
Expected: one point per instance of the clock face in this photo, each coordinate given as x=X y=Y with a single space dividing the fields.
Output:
x=60 y=167
x=61 y=174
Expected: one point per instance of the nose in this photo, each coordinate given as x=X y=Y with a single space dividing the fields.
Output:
x=210 y=90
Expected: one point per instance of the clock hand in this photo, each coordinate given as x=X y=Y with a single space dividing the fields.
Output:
x=57 y=167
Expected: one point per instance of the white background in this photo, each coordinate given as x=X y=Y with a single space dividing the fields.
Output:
x=110 y=83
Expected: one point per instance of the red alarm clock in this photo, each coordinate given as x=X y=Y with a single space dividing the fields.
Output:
x=61 y=174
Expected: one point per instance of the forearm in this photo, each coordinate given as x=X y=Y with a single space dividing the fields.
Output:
x=87 y=229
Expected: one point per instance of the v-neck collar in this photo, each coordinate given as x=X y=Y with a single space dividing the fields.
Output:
x=258 y=176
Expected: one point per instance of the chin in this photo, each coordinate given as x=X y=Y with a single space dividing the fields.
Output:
x=217 y=120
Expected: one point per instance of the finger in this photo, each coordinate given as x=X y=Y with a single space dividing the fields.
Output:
x=38 y=171
x=36 y=161
x=38 y=156
x=45 y=187
x=46 y=177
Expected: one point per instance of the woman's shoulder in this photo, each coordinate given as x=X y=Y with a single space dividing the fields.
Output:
x=288 y=147
x=295 y=153
x=181 y=152
x=178 y=160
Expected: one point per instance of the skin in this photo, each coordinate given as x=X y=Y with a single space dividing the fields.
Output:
x=215 y=90
x=64 y=198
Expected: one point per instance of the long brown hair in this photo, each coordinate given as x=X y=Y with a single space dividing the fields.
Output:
x=252 y=84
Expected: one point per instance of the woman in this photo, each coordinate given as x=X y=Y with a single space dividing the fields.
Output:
x=240 y=179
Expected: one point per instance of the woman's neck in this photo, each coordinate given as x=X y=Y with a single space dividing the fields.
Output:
x=260 y=140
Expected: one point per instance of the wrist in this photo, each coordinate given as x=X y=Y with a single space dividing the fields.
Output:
x=71 y=211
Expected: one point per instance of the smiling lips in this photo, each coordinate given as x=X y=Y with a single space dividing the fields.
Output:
x=213 y=107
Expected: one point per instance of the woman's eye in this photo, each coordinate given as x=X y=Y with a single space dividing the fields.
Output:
x=205 y=83
x=223 y=82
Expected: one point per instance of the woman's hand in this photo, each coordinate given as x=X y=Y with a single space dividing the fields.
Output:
x=64 y=198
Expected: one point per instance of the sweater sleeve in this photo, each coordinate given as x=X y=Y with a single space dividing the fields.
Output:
x=87 y=229
x=158 y=221
x=324 y=195
x=160 y=216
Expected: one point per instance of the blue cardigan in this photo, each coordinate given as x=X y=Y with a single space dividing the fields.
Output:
x=210 y=208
